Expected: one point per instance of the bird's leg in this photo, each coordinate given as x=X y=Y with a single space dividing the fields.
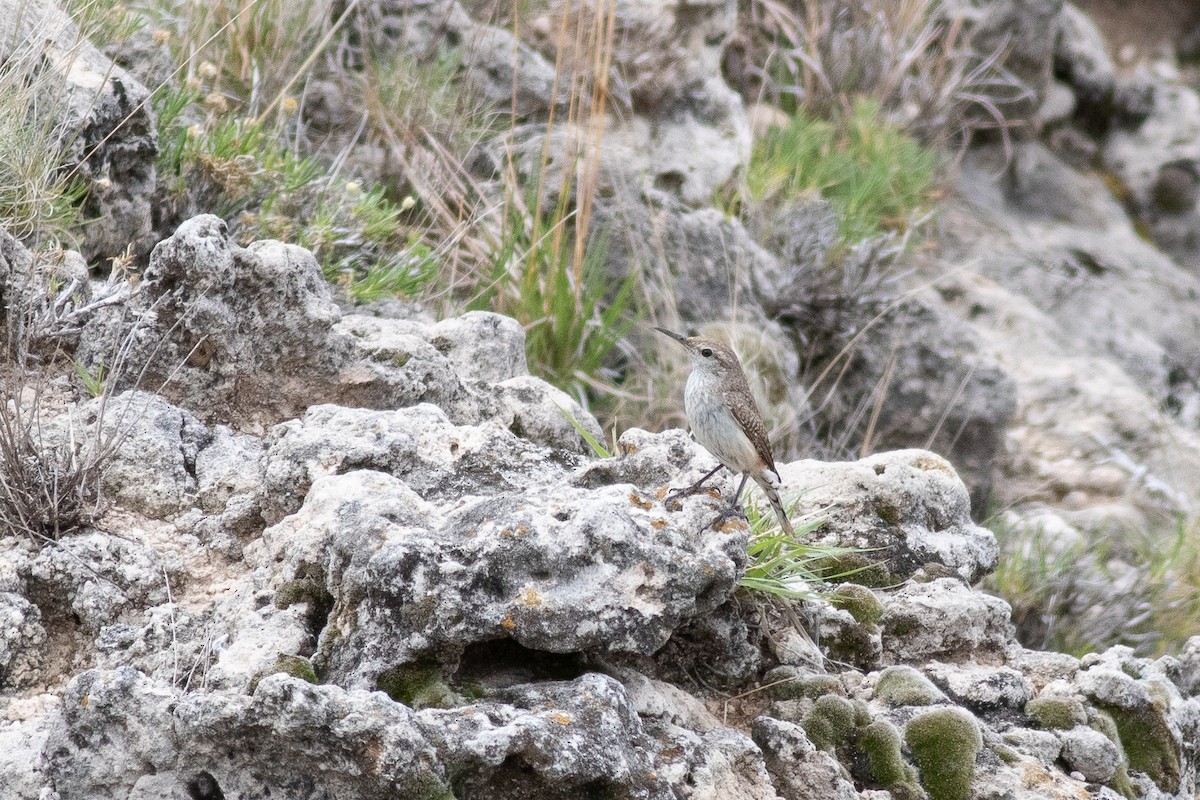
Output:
x=733 y=509
x=695 y=487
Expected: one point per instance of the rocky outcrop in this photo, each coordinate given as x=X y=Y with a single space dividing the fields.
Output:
x=438 y=608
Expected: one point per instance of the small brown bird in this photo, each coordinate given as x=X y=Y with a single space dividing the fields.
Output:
x=725 y=419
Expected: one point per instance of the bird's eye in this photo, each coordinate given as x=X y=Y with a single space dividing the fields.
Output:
x=706 y=352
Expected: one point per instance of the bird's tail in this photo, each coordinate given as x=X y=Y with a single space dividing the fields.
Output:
x=772 y=493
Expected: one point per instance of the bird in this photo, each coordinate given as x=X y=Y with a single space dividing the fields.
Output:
x=725 y=420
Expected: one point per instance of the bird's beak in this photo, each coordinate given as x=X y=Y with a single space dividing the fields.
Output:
x=681 y=339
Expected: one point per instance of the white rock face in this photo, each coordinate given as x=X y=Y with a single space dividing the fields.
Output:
x=908 y=508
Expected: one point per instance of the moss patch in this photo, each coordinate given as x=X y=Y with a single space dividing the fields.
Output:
x=860 y=601
x=419 y=685
x=1060 y=713
x=905 y=686
x=799 y=687
x=296 y=666
x=831 y=722
x=880 y=743
x=944 y=743
x=1149 y=745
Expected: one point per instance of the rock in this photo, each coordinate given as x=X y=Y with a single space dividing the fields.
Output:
x=800 y=771
x=112 y=140
x=92 y=578
x=943 y=620
x=908 y=508
x=124 y=734
x=1148 y=735
x=146 y=446
x=1090 y=753
x=1042 y=745
x=555 y=569
x=983 y=688
x=22 y=741
x=418 y=445
x=704 y=254
x=480 y=346
x=22 y=639
x=238 y=330
x=542 y=414
x=846 y=640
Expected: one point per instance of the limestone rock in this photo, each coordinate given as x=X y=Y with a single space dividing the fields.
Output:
x=908 y=508
x=943 y=620
x=553 y=569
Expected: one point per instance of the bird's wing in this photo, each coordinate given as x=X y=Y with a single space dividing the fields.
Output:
x=751 y=422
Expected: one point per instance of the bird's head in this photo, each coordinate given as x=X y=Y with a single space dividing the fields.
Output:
x=708 y=355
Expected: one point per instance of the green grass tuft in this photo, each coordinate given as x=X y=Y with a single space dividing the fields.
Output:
x=876 y=176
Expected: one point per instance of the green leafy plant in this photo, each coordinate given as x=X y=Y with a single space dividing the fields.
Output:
x=93 y=382
x=786 y=567
x=241 y=171
x=877 y=177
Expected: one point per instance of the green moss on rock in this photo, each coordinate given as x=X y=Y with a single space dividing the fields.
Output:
x=880 y=743
x=296 y=666
x=1148 y=744
x=1061 y=713
x=1102 y=721
x=904 y=686
x=861 y=568
x=418 y=685
x=831 y=722
x=786 y=684
x=860 y=601
x=944 y=743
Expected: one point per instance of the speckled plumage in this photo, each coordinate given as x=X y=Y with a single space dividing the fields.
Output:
x=725 y=418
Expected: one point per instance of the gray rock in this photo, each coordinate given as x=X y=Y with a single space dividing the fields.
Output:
x=800 y=771
x=481 y=346
x=567 y=735
x=22 y=641
x=147 y=447
x=703 y=255
x=94 y=577
x=126 y=736
x=983 y=688
x=555 y=569
x=1091 y=753
x=1081 y=57
x=543 y=414
x=24 y=735
x=230 y=331
x=845 y=640
x=908 y=508
x=943 y=620
x=419 y=445
x=1042 y=745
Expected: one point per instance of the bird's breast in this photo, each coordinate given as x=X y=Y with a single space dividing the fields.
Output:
x=715 y=427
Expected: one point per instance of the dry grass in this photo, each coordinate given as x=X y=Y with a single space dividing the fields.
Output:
x=919 y=65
